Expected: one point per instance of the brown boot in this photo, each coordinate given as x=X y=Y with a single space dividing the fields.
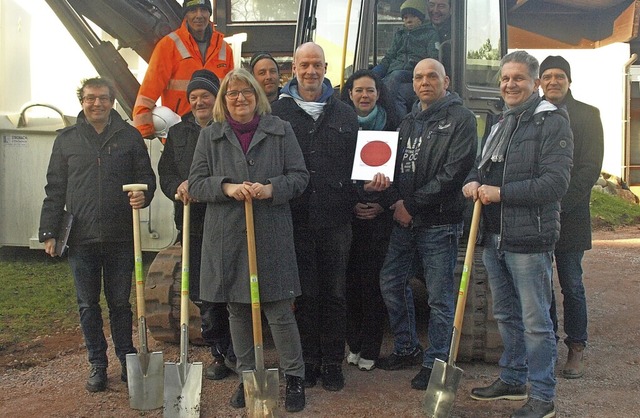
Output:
x=574 y=368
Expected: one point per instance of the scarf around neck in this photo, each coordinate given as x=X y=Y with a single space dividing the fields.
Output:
x=495 y=148
x=244 y=131
x=313 y=109
x=374 y=121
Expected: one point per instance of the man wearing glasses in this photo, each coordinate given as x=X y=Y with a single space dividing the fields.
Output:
x=90 y=162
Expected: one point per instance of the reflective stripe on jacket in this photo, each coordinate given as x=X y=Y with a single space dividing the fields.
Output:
x=174 y=59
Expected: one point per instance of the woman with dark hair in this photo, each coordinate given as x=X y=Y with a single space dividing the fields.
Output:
x=371 y=229
x=248 y=154
x=366 y=93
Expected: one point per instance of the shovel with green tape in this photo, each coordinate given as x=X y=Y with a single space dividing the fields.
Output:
x=445 y=376
x=261 y=387
x=145 y=371
x=182 y=380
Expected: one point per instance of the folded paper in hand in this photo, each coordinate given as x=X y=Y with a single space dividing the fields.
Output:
x=63 y=233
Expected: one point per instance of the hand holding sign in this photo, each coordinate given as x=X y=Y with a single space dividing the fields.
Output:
x=379 y=183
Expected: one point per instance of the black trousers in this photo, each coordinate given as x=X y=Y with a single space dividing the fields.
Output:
x=365 y=306
x=322 y=256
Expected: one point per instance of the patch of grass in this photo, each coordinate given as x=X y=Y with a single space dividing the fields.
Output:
x=37 y=295
x=611 y=212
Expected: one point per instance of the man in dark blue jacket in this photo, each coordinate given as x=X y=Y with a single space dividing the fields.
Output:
x=520 y=177
x=326 y=129
x=90 y=162
x=575 y=216
x=436 y=151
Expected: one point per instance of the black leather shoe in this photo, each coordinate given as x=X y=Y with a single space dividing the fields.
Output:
x=500 y=390
x=332 y=377
x=237 y=399
x=218 y=369
x=311 y=374
x=123 y=373
x=421 y=381
x=535 y=408
x=294 y=400
x=97 y=381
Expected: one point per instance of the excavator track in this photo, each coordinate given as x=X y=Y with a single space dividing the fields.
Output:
x=162 y=299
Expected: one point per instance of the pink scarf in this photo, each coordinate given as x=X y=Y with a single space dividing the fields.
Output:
x=244 y=131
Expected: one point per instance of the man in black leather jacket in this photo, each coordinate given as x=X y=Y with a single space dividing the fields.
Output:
x=436 y=150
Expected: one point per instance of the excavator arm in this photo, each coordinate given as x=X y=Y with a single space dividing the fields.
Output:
x=136 y=24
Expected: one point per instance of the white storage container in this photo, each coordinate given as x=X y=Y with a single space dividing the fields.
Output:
x=25 y=148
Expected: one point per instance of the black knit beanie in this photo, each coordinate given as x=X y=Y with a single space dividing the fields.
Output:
x=555 y=61
x=204 y=79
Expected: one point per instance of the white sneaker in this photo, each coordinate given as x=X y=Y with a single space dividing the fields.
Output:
x=366 y=365
x=353 y=358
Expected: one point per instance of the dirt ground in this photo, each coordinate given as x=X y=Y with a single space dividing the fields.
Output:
x=45 y=378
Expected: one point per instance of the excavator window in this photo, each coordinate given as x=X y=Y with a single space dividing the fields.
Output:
x=264 y=10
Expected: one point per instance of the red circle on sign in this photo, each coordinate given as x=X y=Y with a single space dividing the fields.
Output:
x=375 y=153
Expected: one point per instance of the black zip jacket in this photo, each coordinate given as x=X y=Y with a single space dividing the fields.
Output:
x=173 y=169
x=328 y=146
x=86 y=174
x=432 y=193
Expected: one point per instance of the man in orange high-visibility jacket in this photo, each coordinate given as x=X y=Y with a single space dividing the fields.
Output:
x=193 y=46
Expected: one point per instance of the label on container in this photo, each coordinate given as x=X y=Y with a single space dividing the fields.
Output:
x=15 y=140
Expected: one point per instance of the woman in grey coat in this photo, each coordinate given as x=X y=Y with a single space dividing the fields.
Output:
x=249 y=154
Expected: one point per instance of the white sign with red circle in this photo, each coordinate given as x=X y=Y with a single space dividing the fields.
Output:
x=375 y=153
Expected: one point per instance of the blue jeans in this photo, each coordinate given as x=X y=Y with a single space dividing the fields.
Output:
x=91 y=265
x=437 y=249
x=400 y=85
x=321 y=310
x=574 y=303
x=521 y=289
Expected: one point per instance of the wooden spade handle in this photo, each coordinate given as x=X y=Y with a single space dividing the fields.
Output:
x=464 y=281
x=137 y=250
x=184 y=284
x=135 y=187
x=255 y=288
